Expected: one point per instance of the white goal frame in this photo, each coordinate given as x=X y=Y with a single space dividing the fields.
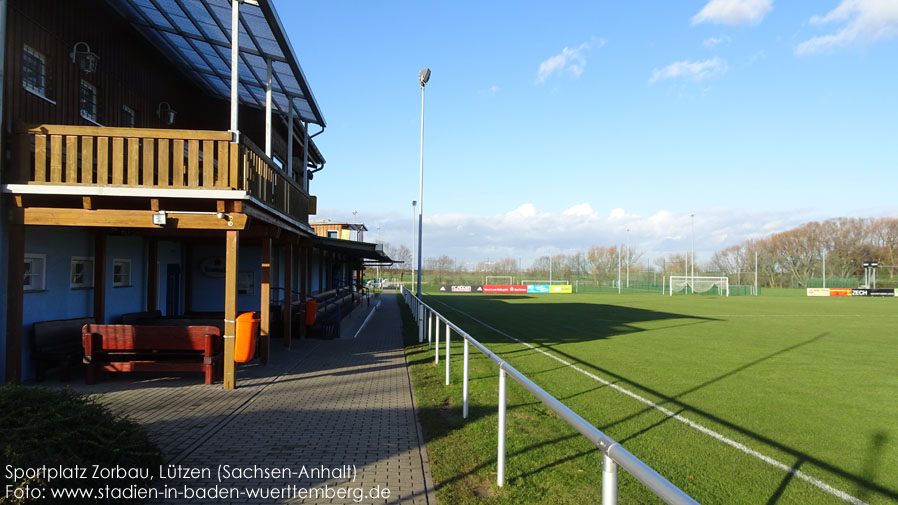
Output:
x=486 y=280
x=689 y=282
x=553 y=282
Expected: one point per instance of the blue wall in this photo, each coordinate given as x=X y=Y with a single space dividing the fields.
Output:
x=169 y=253
x=208 y=293
x=122 y=300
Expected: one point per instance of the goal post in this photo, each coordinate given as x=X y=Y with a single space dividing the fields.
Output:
x=688 y=284
x=498 y=279
x=546 y=282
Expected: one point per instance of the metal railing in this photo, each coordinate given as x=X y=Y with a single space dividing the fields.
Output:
x=613 y=454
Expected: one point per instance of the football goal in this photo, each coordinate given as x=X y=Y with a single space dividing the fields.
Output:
x=546 y=281
x=498 y=279
x=686 y=284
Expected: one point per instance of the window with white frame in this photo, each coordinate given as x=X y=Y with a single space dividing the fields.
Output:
x=34 y=71
x=82 y=272
x=88 y=101
x=121 y=273
x=35 y=272
x=128 y=118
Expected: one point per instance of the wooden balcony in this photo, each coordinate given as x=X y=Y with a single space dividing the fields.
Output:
x=139 y=159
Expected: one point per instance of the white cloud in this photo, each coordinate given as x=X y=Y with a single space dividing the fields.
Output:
x=583 y=210
x=491 y=91
x=865 y=21
x=716 y=41
x=568 y=60
x=733 y=12
x=693 y=70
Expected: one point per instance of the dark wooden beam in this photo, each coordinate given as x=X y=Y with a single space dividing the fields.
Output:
x=100 y=276
x=288 y=294
x=265 y=302
x=15 y=303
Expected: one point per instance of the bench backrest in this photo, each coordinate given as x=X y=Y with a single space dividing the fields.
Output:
x=59 y=335
x=149 y=338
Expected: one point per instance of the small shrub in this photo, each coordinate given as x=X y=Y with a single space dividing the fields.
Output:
x=62 y=430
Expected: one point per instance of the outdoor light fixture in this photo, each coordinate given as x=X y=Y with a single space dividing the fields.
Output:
x=166 y=113
x=424 y=76
x=87 y=60
x=159 y=218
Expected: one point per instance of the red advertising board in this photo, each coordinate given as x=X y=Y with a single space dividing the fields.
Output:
x=840 y=292
x=505 y=288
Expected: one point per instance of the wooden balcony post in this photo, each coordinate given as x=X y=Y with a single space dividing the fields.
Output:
x=153 y=274
x=303 y=282
x=100 y=276
x=230 y=326
x=288 y=294
x=264 y=324
x=15 y=303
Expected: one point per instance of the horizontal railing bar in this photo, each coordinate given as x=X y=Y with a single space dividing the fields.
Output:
x=652 y=480
x=105 y=131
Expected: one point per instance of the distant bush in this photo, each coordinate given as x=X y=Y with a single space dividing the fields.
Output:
x=60 y=429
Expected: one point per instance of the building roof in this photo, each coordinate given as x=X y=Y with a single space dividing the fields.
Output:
x=196 y=36
x=373 y=253
x=329 y=222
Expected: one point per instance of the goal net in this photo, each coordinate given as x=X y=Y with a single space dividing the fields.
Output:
x=498 y=279
x=710 y=285
x=545 y=281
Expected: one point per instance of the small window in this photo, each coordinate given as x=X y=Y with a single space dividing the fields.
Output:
x=121 y=273
x=35 y=272
x=333 y=234
x=128 y=119
x=88 y=101
x=34 y=71
x=82 y=272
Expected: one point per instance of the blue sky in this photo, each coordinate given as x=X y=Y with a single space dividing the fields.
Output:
x=553 y=127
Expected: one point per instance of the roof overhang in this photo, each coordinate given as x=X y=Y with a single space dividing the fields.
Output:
x=195 y=35
x=362 y=250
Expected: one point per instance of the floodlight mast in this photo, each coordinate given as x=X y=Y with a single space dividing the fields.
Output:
x=423 y=77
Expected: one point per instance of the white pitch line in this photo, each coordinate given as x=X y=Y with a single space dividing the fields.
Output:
x=707 y=431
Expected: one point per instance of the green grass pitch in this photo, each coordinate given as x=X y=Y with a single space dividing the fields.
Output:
x=811 y=383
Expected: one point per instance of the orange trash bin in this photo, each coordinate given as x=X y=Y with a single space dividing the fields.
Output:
x=247 y=334
x=311 y=311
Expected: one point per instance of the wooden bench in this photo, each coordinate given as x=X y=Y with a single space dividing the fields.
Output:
x=57 y=342
x=128 y=348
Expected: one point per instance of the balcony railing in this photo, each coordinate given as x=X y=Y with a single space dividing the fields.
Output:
x=159 y=159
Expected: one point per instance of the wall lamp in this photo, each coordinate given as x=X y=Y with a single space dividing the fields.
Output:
x=166 y=113
x=87 y=60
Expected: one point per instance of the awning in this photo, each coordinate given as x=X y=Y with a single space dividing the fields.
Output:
x=373 y=254
x=196 y=36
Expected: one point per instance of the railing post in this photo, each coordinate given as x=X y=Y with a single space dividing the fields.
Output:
x=500 y=468
x=436 y=342
x=429 y=322
x=609 y=480
x=448 y=332
x=420 y=323
x=464 y=387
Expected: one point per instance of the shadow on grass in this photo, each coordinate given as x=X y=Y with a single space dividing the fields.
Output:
x=600 y=321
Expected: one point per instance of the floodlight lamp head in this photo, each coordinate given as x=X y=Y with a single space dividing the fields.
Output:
x=414 y=202
x=424 y=76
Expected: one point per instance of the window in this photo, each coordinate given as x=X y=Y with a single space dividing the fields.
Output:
x=35 y=272
x=121 y=273
x=34 y=71
x=128 y=119
x=88 y=101
x=333 y=234
x=82 y=272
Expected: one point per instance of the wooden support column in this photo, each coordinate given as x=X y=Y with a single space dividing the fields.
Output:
x=303 y=282
x=230 y=327
x=264 y=337
x=188 y=277
x=15 y=303
x=288 y=294
x=153 y=275
x=100 y=276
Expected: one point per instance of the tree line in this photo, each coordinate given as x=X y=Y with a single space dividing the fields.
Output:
x=792 y=258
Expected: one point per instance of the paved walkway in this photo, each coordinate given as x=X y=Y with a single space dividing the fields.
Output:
x=336 y=419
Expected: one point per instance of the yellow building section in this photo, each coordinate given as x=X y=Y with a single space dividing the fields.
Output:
x=344 y=234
